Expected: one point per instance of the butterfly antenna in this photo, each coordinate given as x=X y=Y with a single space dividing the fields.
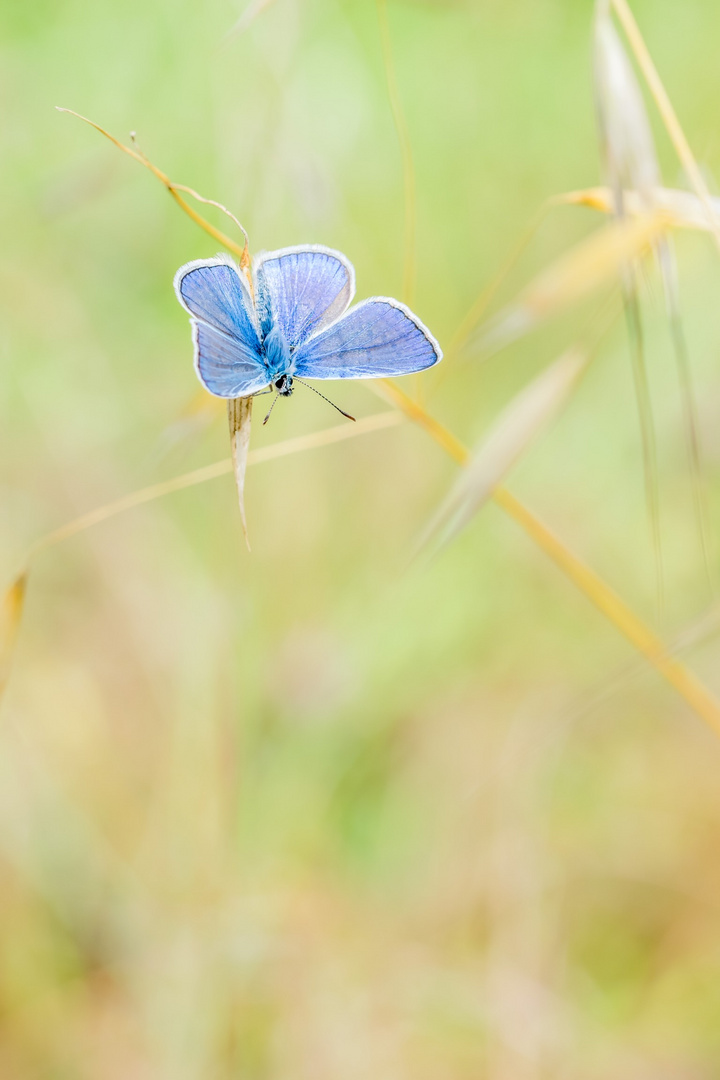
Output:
x=271 y=409
x=341 y=411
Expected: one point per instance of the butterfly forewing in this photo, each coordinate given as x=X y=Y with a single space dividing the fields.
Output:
x=301 y=290
x=214 y=290
x=225 y=367
x=378 y=338
x=228 y=353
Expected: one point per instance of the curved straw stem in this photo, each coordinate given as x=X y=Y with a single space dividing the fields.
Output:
x=175 y=189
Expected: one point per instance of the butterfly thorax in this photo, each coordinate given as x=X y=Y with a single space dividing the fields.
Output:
x=277 y=356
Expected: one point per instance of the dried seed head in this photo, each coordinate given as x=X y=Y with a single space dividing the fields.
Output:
x=627 y=143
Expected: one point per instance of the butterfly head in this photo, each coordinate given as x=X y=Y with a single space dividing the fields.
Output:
x=284 y=385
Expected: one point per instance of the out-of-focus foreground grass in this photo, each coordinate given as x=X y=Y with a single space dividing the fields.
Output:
x=308 y=813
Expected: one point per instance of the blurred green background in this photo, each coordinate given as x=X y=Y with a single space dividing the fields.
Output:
x=314 y=812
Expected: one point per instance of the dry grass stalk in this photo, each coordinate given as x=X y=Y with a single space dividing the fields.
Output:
x=175 y=189
x=631 y=164
x=667 y=113
x=483 y=301
x=248 y=17
x=585 y=268
x=606 y=600
x=11 y=611
x=523 y=421
x=627 y=144
x=682 y=209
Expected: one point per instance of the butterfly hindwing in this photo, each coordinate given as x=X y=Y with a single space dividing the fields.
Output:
x=302 y=290
x=214 y=291
x=379 y=338
x=228 y=354
x=224 y=367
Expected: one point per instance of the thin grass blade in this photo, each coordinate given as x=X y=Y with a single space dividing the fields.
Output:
x=647 y=429
x=486 y=296
x=599 y=259
x=248 y=17
x=626 y=141
x=527 y=416
x=174 y=190
x=630 y=162
x=691 y=423
x=667 y=113
x=10 y=616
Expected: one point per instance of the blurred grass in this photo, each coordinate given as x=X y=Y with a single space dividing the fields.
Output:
x=299 y=813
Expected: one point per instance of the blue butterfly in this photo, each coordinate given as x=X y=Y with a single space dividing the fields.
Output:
x=296 y=326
